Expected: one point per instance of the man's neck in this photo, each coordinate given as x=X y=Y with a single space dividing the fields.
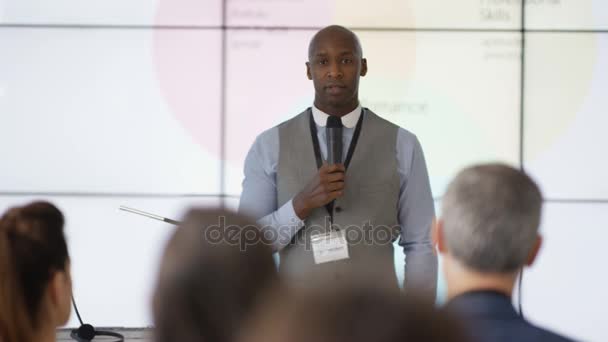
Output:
x=337 y=111
x=461 y=279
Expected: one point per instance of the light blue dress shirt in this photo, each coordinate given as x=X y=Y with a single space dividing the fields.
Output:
x=416 y=209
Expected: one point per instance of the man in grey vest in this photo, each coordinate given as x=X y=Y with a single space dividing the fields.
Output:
x=333 y=219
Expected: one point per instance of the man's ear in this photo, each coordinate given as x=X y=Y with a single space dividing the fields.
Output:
x=363 y=67
x=308 y=73
x=439 y=236
x=534 y=251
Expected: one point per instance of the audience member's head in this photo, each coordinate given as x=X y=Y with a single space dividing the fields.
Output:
x=489 y=228
x=35 y=283
x=216 y=268
x=351 y=314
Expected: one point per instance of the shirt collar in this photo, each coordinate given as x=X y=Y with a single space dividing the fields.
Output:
x=349 y=120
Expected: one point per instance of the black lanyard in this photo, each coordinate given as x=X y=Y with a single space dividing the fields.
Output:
x=317 y=150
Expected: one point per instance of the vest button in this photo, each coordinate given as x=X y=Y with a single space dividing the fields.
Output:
x=338 y=209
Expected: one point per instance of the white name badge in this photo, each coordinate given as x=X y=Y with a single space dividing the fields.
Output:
x=329 y=247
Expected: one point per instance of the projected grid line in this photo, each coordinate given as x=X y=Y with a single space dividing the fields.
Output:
x=295 y=28
x=224 y=90
x=522 y=83
x=228 y=196
x=253 y=28
x=112 y=194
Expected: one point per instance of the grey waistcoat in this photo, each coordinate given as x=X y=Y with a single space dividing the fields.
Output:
x=366 y=213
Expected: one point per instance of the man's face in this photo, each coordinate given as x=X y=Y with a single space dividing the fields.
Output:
x=335 y=66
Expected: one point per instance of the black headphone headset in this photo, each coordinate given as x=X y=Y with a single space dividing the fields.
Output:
x=87 y=332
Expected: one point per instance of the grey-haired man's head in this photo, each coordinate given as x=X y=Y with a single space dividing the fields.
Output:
x=490 y=218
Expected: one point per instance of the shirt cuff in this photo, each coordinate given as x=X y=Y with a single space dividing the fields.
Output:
x=288 y=212
x=283 y=224
x=289 y=223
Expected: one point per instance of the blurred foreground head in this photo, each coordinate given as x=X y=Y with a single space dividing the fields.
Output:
x=35 y=282
x=216 y=268
x=351 y=314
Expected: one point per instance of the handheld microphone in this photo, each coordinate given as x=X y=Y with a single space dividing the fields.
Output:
x=334 y=139
x=333 y=130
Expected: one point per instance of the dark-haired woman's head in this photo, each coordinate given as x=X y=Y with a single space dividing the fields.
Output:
x=35 y=283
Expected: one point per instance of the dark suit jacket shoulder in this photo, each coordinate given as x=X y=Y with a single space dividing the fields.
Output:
x=490 y=316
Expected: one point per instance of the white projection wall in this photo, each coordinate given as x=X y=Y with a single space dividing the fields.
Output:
x=567 y=14
x=384 y=14
x=154 y=104
x=112 y=12
x=98 y=110
x=566 y=288
x=566 y=107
